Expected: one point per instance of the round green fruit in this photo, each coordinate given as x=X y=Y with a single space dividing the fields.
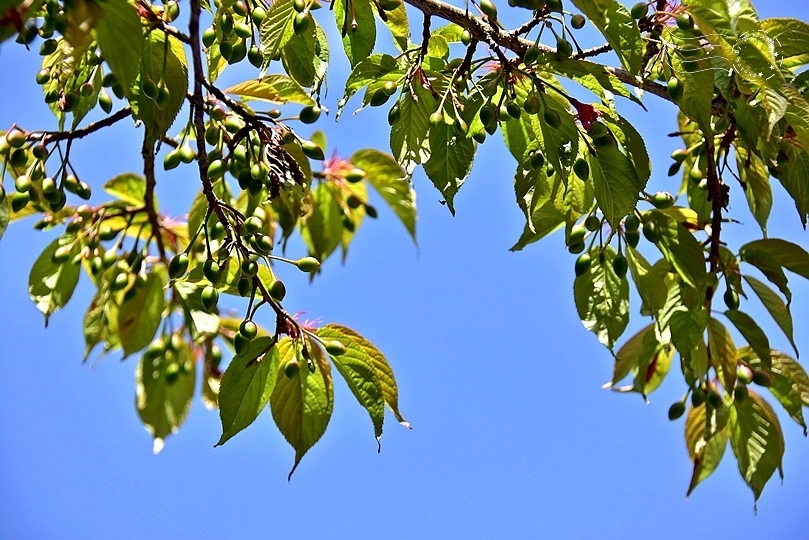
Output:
x=532 y=104
x=714 y=399
x=592 y=223
x=379 y=97
x=171 y=160
x=393 y=114
x=698 y=397
x=632 y=222
x=489 y=9
x=249 y=268
x=248 y=329
x=577 y=21
x=437 y=118
x=466 y=37
x=581 y=168
x=620 y=266
x=676 y=410
x=178 y=265
x=209 y=297
x=216 y=169
x=15 y=138
x=308 y=264
x=731 y=298
x=354 y=175
x=639 y=10
x=292 y=368
x=210 y=269
x=253 y=224
x=583 y=263
x=674 y=87
x=744 y=374
x=309 y=114
x=208 y=36
x=740 y=393
x=552 y=118
x=531 y=55
x=662 y=200
x=685 y=22
x=564 y=48
x=335 y=348
x=313 y=150
x=278 y=290
x=650 y=232
x=302 y=22
x=680 y=154
x=762 y=378
x=240 y=342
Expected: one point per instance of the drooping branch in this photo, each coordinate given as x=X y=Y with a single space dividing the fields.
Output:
x=54 y=136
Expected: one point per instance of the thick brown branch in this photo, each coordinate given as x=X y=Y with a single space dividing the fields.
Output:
x=147 y=151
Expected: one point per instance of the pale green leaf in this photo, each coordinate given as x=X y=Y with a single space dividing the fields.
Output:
x=391 y=182
x=602 y=298
x=680 y=248
x=141 y=312
x=649 y=280
x=128 y=187
x=164 y=386
x=776 y=307
x=410 y=135
x=322 y=227
x=756 y=181
x=3 y=216
x=619 y=27
x=706 y=438
x=302 y=405
x=791 y=39
x=450 y=161
x=756 y=440
x=119 y=33
x=273 y=88
x=51 y=284
x=790 y=383
x=246 y=386
x=277 y=29
x=357 y=28
x=616 y=183
x=722 y=353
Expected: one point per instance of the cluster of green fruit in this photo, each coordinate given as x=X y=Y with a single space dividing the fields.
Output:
x=52 y=20
x=32 y=185
x=708 y=394
x=233 y=26
x=164 y=353
x=630 y=231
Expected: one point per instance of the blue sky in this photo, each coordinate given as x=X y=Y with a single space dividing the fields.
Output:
x=512 y=435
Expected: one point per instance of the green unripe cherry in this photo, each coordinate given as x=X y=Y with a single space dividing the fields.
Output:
x=258 y=14
x=253 y=224
x=354 y=175
x=731 y=298
x=650 y=232
x=22 y=183
x=309 y=114
x=171 y=160
x=278 y=290
x=563 y=47
x=20 y=200
x=437 y=118
x=592 y=223
x=216 y=169
x=714 y=399
x=210 y=269
x=577 y=234
x=685 y=22
x=302 y=22
x=15 y=138
x=209 y=297
x=577 y=21
x=620 y=266
x=178 y=265
x=639 y=10
x=680 y=154
x=208 y=36
x=248 y=329
x=581 y=168
x=744 y=374
x=466 y=37
x=379 y=97
x=583 y=263
x=249 y=268
x=393 y=114
x=552 y=118
x=662 y=200
x=676 y=410
x=762 y=378
x=335 y=348
x=532 y=104
x=531 y=55
x=489 y=9
x=292 y=368
x=632 y=222
x=308 y=264
x=698 y=397
x=313 y=150
x=740 y=393
x=674 y=87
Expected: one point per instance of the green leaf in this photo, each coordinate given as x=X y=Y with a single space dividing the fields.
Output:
x=119 y=33
x=4 y=216
x=649 y=280
x=246 y=386
x=51 y=284
x=360 y=375
x=374 y=68
x=306 y=56
x=790 y=256
x=619 y=27
x=128 y=187
x=722 y=353
x=706 y=438
x=687 y=333
x=272 y=88
x=602 y=298
x=777 y=308
x=794 y=171
x=616 y=183
x=164 y=386
x=450 y=161
x=790 y=383
x=680 y=248
x=641 y=345
x=398 y=25
x=163 y=62
x=756 y=440
x=301 y=406
x=410 y=135
x=751 y=331
x=554 y=140
x=322 y=227
x=599 y=79
x=384 y=372
x=791 y=39
x=756 y=181
x=355 y=20
x=632 y=143
x=277 y=29
x=141 y=312
x=391 y=182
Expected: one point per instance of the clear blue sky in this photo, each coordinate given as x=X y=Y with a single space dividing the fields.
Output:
x=512 y=435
